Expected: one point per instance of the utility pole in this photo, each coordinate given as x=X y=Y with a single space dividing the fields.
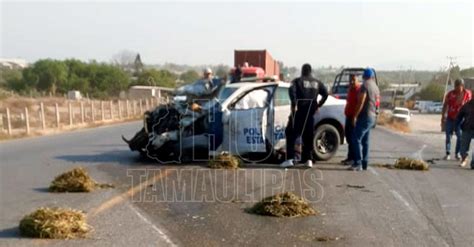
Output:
x=450 y=66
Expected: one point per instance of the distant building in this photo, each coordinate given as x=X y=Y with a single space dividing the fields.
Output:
x=13 y=63
x=398 y=94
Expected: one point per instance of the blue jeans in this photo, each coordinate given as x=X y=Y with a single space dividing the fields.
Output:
x=349 y=132
x=451 y=127
x=467 y=136
x=360 y=140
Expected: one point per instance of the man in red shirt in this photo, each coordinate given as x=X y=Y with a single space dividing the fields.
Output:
x=453 y=102
x=349 y=111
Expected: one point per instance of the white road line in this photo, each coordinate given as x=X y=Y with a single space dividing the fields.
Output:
x=400 y=197
x=158 y=230
x=372 y=170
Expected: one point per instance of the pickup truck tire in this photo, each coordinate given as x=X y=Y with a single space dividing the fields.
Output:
x=326 y=141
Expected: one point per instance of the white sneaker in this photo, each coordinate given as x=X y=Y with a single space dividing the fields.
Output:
x=447 y=157
x=463 y=162
x=458 y=157
x=309 y=163
x=287 y=163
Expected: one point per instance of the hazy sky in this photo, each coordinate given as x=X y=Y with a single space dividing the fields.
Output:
x=382 y=35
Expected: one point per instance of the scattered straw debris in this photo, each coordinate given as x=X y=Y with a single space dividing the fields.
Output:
x=54 y=223
x=406 y=164
x=283 y=205
x=354 y=186
x=75 y=180
x=385 y=119
x=225 y=161
x=411 y=164
x=388 y=166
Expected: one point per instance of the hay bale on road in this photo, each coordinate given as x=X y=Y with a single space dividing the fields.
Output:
x=283 y=205
x=406 y=164
x=411 y=164
x=57 y=223
x=75 y=180
x=225 y=161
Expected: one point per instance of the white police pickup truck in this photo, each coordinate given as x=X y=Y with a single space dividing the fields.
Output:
x=255 y=115
x=246 y=119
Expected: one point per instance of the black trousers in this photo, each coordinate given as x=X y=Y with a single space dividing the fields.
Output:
x=349 y=132
x=300 y=124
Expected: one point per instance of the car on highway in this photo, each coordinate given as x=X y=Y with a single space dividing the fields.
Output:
x=246 y=119
x=435 y=107
x=401 y=114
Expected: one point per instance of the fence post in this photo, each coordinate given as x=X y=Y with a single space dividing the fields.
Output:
x=111 y=109
x=9 y=122
x=92 y=111
x=102 y=110
x=128 y=108
x=57 y=116
x=120 y=109
x=27 y=120
x=134 y=106
x=43 y=117
x=70 y=114
x=82 y=112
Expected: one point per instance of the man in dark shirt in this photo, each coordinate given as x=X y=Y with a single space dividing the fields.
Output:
x=304 y=93
x=465 y=119
x=364 y=119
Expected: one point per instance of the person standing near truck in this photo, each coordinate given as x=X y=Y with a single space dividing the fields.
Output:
x=453 y=102
x=303 y=93
x=349 y=111
x=364 y=119
x=465 y=118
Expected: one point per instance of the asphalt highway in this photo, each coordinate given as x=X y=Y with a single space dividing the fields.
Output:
x=191 y=205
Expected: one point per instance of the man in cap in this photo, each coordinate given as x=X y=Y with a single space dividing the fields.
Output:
x=453 y=102
x=364 y=119
x=207 y=74
x=303 y=93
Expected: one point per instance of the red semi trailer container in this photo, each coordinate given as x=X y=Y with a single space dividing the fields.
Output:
x=257 y=58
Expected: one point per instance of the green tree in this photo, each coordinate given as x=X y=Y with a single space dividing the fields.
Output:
x=432 y=91
x=189 y=76
x=154 y=77
x=47 y=75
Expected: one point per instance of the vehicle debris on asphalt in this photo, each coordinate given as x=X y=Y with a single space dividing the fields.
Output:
x=284 y=204
x=58 y=223
x=225 y=161
x=75 y=180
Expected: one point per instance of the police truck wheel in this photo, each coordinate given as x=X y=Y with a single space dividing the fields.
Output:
x=326 y=142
